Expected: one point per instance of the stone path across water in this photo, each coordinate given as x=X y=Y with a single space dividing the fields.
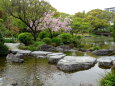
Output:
x=64 y=62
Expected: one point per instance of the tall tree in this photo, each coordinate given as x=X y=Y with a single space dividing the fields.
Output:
x=29 y=12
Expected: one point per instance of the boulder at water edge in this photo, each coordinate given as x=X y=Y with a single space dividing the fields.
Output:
x=103 y=52
x=106 y=61
x=75 y=63
x=55 y=57
x=14 y=58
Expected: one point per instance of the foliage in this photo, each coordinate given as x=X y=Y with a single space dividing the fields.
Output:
x=55 y=24
x=78 y=25
x=99 y=19
x=1 y=38
x=57 y=41
x=108 y=80
x=9 y=40
x=39 y=43
x=76 y=41
x=25 y=38
x=66 y=38
x=113 y=33
x=47 y=40
x=43 y=34
x=3 y=49
x=32 y=47
x=29 y=12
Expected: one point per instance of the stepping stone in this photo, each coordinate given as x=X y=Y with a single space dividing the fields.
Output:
x=106 y=61
x=75 y=63
x=40 y=54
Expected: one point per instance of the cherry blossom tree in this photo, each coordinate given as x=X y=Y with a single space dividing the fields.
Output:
x=55 y=24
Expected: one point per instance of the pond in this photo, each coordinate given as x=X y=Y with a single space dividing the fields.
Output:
x=48 y=74
x=39 y=71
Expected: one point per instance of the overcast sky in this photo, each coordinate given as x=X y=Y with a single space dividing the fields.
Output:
x=73 y=6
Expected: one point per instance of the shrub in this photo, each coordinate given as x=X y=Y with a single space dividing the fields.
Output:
x=3 y=49
x=57 y=41
x=39 y=43
x=76 y=41
x=66 y=38
x=43 y=34
x=47 y=40
x=25 y=38
x=108 y=80
x=1 y=38
x=32 y=48
x=9 y=40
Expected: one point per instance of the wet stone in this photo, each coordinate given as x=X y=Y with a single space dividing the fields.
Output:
x=106 y=61
x=75 y=63
x=40 y=54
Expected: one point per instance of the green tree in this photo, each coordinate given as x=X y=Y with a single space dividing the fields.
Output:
x=29 y=12
x=99 y=19
x=78 y=25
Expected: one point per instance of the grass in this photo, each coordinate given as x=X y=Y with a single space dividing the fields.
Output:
x=108 y=80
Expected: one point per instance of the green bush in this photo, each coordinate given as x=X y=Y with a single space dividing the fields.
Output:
x=47 y=40
x=32 y=48
x=39 y=43
x=1 y=38
x=108 y=80
x=9 y=40
x=25 y=38
x=43 y=34
x=76 y=41
x=57 y=41
x=66 y=38
x=3 y=49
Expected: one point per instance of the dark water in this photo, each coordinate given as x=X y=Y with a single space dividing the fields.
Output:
x=35 y=71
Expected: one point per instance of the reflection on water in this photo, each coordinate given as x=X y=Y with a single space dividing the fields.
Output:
x=101 y=41
x=49 y=75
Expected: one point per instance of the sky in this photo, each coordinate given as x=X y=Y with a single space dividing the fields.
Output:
x=74 y=6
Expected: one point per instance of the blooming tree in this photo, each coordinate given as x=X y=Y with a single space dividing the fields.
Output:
x=55 y=24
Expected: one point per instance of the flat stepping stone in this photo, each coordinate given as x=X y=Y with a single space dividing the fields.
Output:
x=105 y=61
x=55 y=54
x=24 y=52
x=40 y=54
x=55 y=58
x=75 y=63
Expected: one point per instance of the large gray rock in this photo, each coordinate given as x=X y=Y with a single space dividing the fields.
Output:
x=63 y=48
x=24 y=52
x=47 y=48
x=105 y=61
x=13 y=47
x=103 y=52
x=55 y=59
x=40 y=54
x=72 y=63
x=14 y=58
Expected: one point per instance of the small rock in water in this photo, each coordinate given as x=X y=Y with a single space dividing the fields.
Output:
x=102 y=52
x=14 y=58
x=106 y=61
